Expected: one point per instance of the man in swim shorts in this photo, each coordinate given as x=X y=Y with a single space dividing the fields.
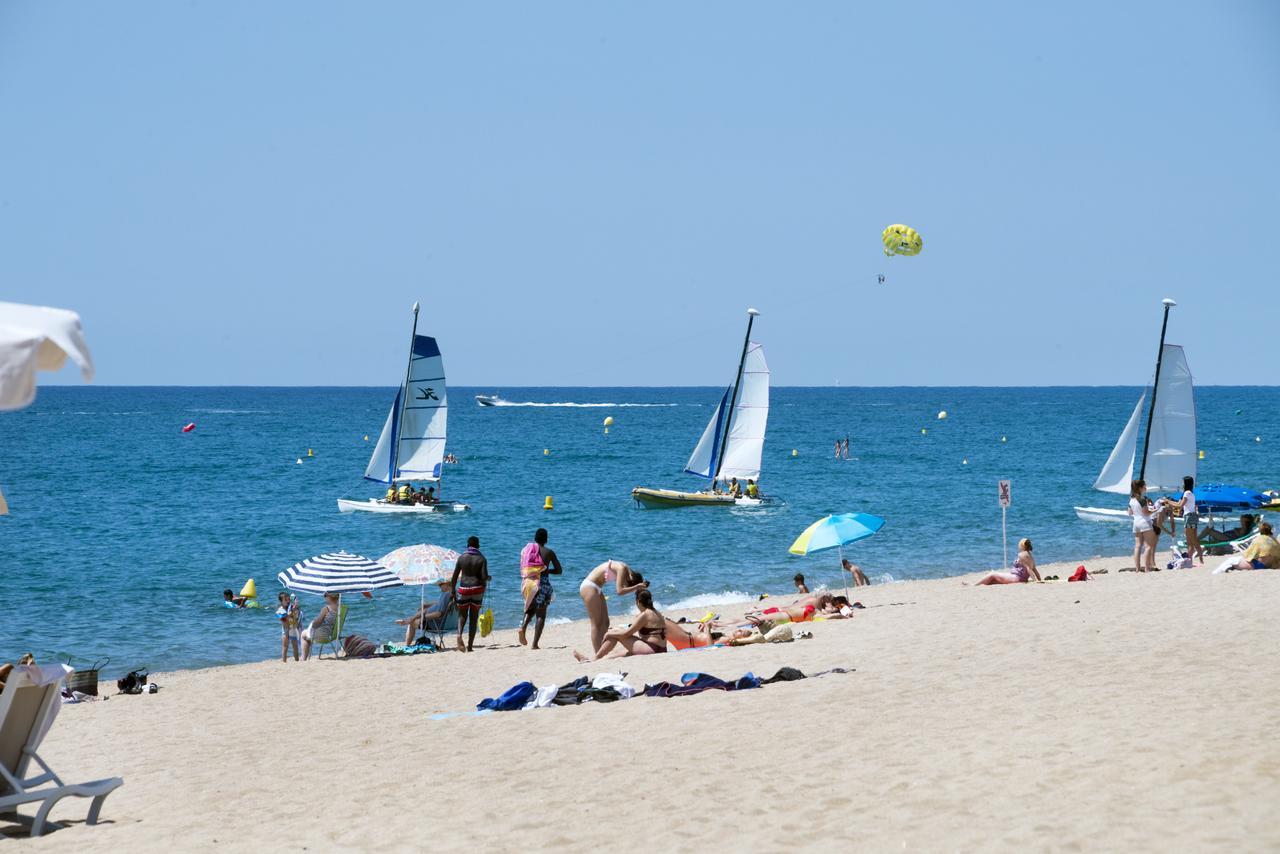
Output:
x=470 y=577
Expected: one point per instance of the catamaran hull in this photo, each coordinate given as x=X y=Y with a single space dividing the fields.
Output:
x=660 y=498
x=374 y=505
x=1106 y=514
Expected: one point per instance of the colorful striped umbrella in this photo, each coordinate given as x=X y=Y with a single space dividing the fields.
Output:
x=420 y=564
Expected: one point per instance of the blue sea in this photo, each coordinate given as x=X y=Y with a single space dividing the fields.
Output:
x=124 y=531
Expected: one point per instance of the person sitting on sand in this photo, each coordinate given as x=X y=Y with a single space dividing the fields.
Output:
x=801 y=587
x=431 y=615
x=6 y=669
x=323 y=628
x=647 y=634
x=859 y=578
x=625 y=581
x=1024 y=568
x=230 y=600
x=1262 y=553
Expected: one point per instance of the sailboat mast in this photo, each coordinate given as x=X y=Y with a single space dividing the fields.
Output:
x=733 y=401
x=404 y=394
x=1155 y=388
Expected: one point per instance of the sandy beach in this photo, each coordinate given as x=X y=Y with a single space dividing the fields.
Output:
x=1129 y=712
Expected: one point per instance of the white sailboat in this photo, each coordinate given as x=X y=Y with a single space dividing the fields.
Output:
x=1169 y=442
x=732 y=443
x=411 y=447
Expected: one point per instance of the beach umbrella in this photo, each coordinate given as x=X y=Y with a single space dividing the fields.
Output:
x=422 y=564
x=836 y=532
x=339 y=572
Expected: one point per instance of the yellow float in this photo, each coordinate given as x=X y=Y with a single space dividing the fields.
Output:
x=901 y=240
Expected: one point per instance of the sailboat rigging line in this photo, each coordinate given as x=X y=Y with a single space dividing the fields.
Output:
x=737 y=382
x=1155 y=388
x=408 y=369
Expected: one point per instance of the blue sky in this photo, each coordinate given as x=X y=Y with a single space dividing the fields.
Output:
x=593 y=193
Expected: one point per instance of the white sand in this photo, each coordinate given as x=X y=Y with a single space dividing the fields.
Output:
x=1131 y=712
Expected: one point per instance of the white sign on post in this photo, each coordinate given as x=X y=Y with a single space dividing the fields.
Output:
x=1006 y=498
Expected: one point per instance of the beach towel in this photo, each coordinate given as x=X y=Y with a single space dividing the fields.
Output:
x=533 y=580
x=696 y=683
x=784 y=674
x=1081 y=574
x=514 y=698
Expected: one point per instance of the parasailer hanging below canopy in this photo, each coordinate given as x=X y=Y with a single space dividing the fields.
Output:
x=901 y=240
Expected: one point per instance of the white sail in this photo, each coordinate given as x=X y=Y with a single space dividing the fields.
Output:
x=379 y=467
x=742 y=452
x=1117 y=474
x=1171 y=444
x=702 y=461
x=416 y=425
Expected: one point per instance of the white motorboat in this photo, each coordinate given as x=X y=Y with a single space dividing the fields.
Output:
x=489 y=399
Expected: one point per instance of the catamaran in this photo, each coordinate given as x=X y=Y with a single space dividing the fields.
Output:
x=733 y=441
x=411 y=447
x=1169 y=441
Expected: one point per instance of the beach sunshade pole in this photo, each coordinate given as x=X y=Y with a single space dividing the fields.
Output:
x=842 y=578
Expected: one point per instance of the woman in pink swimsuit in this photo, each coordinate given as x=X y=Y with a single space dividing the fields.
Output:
x=1024 y=568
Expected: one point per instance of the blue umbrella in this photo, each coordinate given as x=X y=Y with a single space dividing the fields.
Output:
x=836 y=532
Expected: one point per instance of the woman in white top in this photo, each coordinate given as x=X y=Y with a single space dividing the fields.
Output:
x=1191 y=519
x=1144 y=533
x=625 y=580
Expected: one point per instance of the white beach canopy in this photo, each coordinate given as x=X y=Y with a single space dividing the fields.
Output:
x=35 y=337
x=338 y=573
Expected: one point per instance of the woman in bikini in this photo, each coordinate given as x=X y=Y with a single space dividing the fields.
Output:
x=625 y=580
x=646 y=635
x=1023 y=568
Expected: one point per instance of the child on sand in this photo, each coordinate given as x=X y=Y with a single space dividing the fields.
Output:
x=290 y=617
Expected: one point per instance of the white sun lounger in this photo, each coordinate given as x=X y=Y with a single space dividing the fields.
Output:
x=29 y=703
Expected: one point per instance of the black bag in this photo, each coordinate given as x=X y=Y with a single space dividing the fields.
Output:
x=134 y=682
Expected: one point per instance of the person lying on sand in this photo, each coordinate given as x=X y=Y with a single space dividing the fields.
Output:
x=1024 y=568
x=803 y=610
x=646 y=635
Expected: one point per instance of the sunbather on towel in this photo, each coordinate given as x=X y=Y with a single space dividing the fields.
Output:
x=646 y=635
x=1024 y=568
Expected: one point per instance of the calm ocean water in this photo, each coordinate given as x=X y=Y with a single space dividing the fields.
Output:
x=124 y=531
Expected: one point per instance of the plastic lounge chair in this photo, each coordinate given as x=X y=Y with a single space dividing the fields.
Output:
x=28 y=705
x=336 y=638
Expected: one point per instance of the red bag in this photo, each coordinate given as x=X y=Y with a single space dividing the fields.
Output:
x=1081 y=574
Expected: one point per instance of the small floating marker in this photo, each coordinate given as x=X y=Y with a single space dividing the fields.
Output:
x=188 y=427
x=964 y=462
x=1004 y=438
x=310 y=453
x=1238 y=411
x=299 y=460
x=608 y=422
x=1257 y=438
x=794 y=452
x=546 y=452
x=942 y=416
x=548 y=505
x=1202 y=455
x=366 y=437
x=924 y=430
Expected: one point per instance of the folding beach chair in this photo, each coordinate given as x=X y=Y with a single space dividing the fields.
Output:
x=29 y=703
x=437 y=629
x=335 y=640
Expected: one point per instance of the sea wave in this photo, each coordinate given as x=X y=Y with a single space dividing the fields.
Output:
x=707 y=600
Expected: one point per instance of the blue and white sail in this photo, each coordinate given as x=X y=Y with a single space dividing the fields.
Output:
x=411 y=446
x=722 y=455
x=1171 y=439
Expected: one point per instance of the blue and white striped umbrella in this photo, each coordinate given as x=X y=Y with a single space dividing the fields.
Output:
x=338 y=573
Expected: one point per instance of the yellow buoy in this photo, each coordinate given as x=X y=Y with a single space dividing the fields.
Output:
x=546 y=452
x=366 y=437
x=310 y=453
x=548 y=505
x=250 y=590
x=1202 y=455
x=608 y=421
x=794 y=452
x=924 y=430
x=942 y=416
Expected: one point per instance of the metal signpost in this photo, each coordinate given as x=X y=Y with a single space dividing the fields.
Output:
x=1006 y=498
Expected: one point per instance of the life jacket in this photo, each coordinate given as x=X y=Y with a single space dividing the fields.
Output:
x=391 y=493
x=404 y=493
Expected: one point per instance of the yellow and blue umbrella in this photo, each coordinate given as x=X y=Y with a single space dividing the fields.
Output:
x=836 y=532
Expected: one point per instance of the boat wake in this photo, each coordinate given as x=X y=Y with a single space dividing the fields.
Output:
x=580 y=405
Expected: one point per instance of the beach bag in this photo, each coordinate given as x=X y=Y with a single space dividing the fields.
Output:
x=355 y=646
x=486 y=622
x=1081 y=574
x=134 y=682
x=86 y=681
